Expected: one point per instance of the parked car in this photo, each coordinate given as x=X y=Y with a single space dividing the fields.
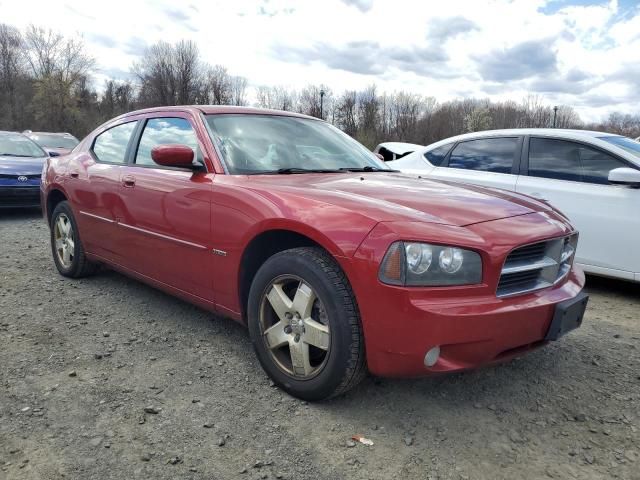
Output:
x=336 y=263
x=21 y=162
x=395 y=150
x=592 y=177
x=54 y=143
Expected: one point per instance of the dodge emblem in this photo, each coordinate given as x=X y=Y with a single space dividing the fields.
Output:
x=22 y=178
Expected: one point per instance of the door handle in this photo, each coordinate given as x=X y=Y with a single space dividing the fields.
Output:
x=74 y=174
x=128 y=181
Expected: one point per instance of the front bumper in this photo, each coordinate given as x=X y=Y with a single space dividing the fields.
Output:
x=470 y=332
x=470 y=324
x=20 y=197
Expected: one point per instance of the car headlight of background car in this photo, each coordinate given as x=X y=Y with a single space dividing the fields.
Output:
x=424 y=264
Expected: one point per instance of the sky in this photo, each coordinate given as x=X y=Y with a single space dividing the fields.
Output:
x=581 y=53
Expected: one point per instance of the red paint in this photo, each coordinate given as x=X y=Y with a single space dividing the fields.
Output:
x=161 y=225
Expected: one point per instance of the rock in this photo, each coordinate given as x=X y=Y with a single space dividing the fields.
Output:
x=408 y=440
x=195 y=400
x=97 y=356
x=221 y=442
x=589 y=458
x=516 y=437
x=105 y=334
x=152 y=410
x=244 y=470
x=258 y=464
x=580 y=417
x=209 y=425
x=145 y=457
x=174 y=460
x=193 y=469
x=350 y=443
x=73 y=373
x=94 y=442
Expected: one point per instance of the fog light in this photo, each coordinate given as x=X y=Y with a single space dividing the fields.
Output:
x=432 y=356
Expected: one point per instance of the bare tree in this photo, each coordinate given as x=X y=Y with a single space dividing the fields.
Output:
x=12 y=73
x=238 y=91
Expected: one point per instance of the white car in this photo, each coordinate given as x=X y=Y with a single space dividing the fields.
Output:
x=395 y=150
x=592 y=177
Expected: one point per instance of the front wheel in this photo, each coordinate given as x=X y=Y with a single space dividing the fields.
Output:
x=304 y=324
x=66 y=247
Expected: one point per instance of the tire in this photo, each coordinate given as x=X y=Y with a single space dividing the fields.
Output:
x=316 y=288
x=66 y=246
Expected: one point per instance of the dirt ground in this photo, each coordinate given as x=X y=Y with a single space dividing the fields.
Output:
x=106 y=378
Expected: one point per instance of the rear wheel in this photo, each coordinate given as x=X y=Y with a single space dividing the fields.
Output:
x=66 y=246
x=304 y=324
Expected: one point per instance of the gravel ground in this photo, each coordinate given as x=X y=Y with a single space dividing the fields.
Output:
x=107 y=378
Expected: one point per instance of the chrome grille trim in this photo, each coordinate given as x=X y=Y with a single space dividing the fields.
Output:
x=537 y=266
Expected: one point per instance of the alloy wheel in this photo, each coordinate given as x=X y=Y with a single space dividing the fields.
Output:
x=64 y=240
x=295 y=327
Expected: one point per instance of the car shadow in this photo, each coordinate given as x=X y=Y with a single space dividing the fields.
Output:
x=17 y=214
x=612 y=286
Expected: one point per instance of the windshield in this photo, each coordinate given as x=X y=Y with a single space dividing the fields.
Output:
x=625 y=143
x=54 y=141
x=16 y=145
x=252 y=144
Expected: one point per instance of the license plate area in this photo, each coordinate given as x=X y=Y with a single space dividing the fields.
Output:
x=568 y=316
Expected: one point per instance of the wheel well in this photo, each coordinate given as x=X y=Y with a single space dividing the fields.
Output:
x=259 y=250
x=53 y=199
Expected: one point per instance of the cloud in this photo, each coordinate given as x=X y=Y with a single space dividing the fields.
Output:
x=440 y=29
x=362 y=5
x=527 y=59
x=104 y=40
x=365 y=57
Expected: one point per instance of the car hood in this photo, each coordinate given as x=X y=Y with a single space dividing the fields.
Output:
x=21 y=165
x=397 y=197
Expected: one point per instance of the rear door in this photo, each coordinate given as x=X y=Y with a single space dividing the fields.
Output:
x=490 y=162
x=572 y=176
x=95 y=186
x=168 y=222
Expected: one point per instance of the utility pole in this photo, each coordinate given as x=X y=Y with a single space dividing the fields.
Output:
x=555 y=113
x=321 y=103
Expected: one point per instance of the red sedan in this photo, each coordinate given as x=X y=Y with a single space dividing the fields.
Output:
x=336 y=264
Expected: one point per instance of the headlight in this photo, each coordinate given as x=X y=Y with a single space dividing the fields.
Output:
x=423 y=264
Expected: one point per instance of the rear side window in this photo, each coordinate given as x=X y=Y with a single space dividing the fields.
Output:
x=485 y=155
x=565 y=160
x=436 y=156
x=163 y=131
x=111 y=145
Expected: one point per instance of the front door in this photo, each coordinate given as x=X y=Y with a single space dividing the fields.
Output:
x=573 y=177
x=168 y=227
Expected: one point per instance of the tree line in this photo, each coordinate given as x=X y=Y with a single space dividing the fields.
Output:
x=46 y=83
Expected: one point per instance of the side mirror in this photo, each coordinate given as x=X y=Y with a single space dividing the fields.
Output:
x=625 y=176
x=379 y=156
x=173 y=156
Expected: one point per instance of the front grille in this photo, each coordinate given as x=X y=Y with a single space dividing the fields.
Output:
x=536 y=266
x=14 y=176
x=19 y=196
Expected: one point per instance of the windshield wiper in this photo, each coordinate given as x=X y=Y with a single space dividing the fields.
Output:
x=290 y=170
x=367 y=168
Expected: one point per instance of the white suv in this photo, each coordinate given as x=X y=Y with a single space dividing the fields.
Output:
x=592 y=177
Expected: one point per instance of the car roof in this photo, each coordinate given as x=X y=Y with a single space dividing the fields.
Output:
x=218 y=109
x=61 y=134
x=551 y=132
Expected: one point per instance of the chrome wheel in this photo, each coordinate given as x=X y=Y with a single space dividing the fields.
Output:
x=64 y=240
x=295 y=327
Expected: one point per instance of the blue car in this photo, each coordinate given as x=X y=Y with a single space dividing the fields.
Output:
x=21 y=161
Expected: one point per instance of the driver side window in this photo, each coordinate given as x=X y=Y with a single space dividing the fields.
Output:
x=163 y=131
